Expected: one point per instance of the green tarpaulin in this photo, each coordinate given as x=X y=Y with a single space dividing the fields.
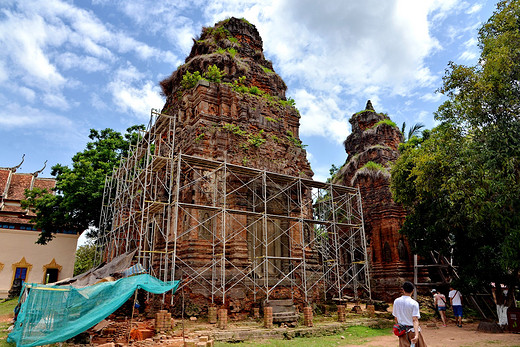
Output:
x=53 y=313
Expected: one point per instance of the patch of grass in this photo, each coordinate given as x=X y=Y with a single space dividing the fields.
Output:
x=3 y=335
x=7 y=307
x=385 y=121
x=352 y=335
x=374 y=166
x=6 y=310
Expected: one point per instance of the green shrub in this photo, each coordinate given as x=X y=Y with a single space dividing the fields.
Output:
x=255 y=90
x=267 y=70
x=294 y=140
x=235 y=129
x=256 y=139
x=232 y=51
x=245 y=21
x=189 y=80
x=214 y=74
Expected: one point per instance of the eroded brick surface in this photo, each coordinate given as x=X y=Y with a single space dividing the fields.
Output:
x=390 y=257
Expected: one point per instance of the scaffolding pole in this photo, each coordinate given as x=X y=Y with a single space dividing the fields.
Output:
x=252 y=229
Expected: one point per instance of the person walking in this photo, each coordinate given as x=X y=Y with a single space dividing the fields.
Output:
x=406 y=312
x=439 y=300
x=456 y=303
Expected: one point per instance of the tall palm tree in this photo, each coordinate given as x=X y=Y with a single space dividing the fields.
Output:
x=413 y=131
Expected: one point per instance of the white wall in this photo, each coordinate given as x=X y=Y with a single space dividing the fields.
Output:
x=16 y=244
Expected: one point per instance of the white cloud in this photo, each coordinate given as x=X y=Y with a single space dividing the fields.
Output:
x=423 y=116
x=27 y=93
x=132 y=93
x=474 y=9
x=14 y=116
x=56 y=100
x=23 y=40
x=468 y=56
x=321 y=117
x=69 y=60
x=3 y=72
x=431 y=97
x=97 y=102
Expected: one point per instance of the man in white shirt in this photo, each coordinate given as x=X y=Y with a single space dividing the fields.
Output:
x=456 y=303
x=406 y=312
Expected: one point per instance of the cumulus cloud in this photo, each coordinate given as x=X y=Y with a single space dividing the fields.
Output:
x=322 y=117
x=43 y=41
x=131 y=92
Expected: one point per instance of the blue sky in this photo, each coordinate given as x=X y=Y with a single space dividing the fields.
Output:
x=69 y=66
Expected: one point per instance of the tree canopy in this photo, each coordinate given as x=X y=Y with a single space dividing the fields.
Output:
x=461 y=184
x=76 y=204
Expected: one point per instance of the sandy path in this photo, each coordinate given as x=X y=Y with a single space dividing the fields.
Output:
x=452 y=336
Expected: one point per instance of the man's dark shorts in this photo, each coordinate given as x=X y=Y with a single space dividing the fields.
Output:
x=457 y=310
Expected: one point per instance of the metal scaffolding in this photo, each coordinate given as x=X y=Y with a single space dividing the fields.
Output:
x=222 y=227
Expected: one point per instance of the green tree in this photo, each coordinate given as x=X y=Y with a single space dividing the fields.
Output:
x=85 y=258
x=415 y=130
x=76 y=204
x=462 y=184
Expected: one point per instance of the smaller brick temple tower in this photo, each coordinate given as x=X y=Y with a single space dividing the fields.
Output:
x=371 y=148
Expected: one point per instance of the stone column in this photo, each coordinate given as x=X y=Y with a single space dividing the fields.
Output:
x=307 y=316
x=256 y=312
x=268 y=317
x=212 y=315
x=341 y=313
x=163 y=321
x=222 y=318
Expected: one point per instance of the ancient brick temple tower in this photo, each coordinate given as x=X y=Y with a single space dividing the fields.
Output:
x=230 y=106
x=245 y=118
x=219 y=193
x=371 y=147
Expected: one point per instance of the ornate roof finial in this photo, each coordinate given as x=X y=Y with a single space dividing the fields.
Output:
x=369 y=106
x=36 y=173
x=14 y=168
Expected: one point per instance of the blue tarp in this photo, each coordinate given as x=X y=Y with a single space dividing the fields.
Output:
x=53 y=313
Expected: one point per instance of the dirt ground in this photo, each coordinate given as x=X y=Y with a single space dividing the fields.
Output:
x=452 y=336
x=438 y=336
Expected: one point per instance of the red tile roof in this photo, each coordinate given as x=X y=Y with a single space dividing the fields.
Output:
x=12 y=191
